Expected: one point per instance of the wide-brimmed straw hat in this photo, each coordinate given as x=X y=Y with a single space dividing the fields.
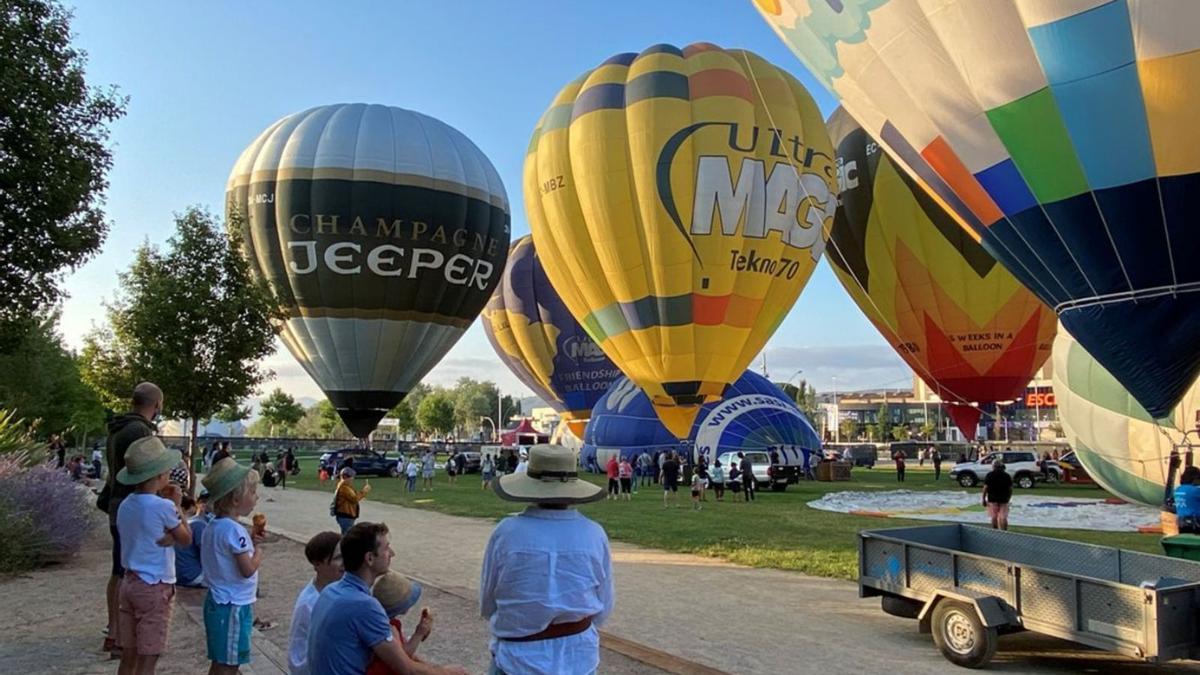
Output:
x=396 y=592
x=552 y=478
x=224 y=477
x=146 y=458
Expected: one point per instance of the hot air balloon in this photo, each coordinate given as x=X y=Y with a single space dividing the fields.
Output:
x=679 y=200
x=754 y=415
x=956 y=317
x=541 y=343
x=1061 y=134
x=1122 y=447
x=383 y=231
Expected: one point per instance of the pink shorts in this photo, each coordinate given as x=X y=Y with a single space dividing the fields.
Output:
x=144 y=619
x=997 y=510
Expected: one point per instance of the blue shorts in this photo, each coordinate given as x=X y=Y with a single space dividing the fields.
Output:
x=228 y=629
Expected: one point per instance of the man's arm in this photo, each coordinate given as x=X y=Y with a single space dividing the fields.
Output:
x=392 y=654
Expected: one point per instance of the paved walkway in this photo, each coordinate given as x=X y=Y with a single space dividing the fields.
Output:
x=734 y=619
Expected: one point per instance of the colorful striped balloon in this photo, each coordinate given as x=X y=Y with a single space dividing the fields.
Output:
x=1120 y=445
x=384 y=232
x=1061 y=134
x=957 y=317
x=541 y=343
x=680 y=199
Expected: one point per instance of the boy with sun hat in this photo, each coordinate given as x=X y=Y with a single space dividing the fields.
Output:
x=230 y=561
x=398 y=594
x=150 y=527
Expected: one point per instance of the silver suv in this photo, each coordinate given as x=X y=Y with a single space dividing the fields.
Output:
x=1022 y=466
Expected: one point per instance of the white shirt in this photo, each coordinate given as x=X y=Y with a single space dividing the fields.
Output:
x=97 y=456
x=546 y=566
x=143 y=519
x=223 y=540
x=522 y=466
x=298 y=639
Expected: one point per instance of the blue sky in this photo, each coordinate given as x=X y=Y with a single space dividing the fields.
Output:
x=205 y=78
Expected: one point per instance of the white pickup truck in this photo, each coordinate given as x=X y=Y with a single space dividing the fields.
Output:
x=1021 y=465
x=775 y=476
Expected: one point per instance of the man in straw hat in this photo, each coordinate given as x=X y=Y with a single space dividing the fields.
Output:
x=147 y=403
x=150 y=527
x=540 y=627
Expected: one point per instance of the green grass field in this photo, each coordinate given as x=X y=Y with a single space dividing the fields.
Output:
x=777 y=531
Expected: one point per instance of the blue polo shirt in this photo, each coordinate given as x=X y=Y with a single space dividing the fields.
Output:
x=347 y=623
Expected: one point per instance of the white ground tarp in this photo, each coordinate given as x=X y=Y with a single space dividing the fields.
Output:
x=964 y=507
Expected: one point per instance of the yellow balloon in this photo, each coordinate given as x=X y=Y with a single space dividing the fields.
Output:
x=680 y=200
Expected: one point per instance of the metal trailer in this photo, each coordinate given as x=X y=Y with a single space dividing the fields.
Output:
x=967 y=585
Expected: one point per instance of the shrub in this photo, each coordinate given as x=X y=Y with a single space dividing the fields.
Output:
x=44 y=517
x=17 y=445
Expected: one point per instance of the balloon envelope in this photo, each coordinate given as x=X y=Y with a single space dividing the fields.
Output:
x=679 y=200
x=541 y=343
x=1122 y=447
x=960 y=320
x=383 y=231
x=1060 y=135
x=754 y=415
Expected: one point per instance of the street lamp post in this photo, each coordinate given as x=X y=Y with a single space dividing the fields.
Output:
x=837 y=416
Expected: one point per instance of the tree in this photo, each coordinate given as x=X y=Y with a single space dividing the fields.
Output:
x=848 y=430
x=192 y=320
x=883 y=419
x=54 y=160
x=928 y=429
x=232 y=412
x=329 y=423
x=281 y=411
x=435 y=414
x=42 y=381
x=405 y=416
x=804 y=396
x=900 y=433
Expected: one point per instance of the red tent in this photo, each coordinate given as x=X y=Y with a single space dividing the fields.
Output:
x=523 y=434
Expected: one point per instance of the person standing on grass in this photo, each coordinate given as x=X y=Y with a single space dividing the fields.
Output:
x=625 y=475
x=547 y=581
x=644 y=471
x=324 y=554
x=997 y=492
x=670 y=479
x=427 y=468
x=697 y=488
x=410 y=473
x=452 y=467
x=717 y=476
x=348 y=626
x=748 y=482
x=487 y=471
x=937 y=463
x=123 y=430
x=346 y=499
x=898 y=458
x=612 y=469
x=150 y=528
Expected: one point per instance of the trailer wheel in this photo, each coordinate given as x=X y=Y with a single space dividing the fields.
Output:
x=961 y=636
x=896 y=605
x=778 y=487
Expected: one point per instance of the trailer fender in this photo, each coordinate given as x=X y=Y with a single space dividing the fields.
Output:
x=989 y=608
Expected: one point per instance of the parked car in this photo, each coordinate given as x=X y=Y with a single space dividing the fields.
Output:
x=1073 y=471
x=473 y=460
x=766 y=474
x=1022 y=466
x=366 y=462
